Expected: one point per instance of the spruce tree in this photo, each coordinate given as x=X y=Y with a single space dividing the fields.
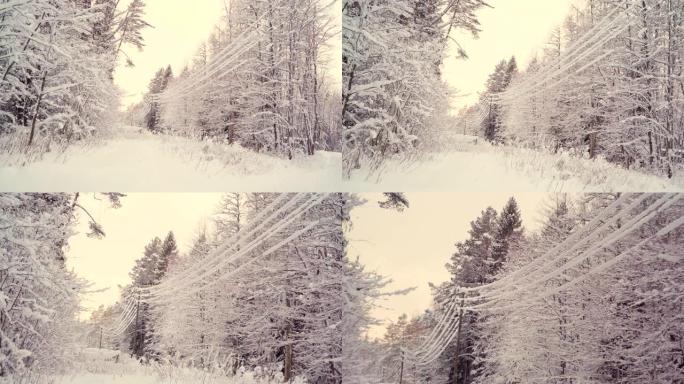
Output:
x=470 y=265
x=394 y=200
x=149 y=270
x=508 y=231
x=157 y=85
x=168 y=255
x=498 y=81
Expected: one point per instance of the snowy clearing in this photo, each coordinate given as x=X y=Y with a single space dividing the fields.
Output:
x=104 y=366
x=136 y=160
x=476 y=165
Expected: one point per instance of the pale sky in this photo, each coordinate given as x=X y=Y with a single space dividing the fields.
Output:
x=412 y=247
x=106 y=262
x=511 y=27
x=179 y=29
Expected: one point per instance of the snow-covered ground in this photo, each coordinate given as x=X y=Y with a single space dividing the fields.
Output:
x=136 y=160
x=474 y=165
x=103 y=366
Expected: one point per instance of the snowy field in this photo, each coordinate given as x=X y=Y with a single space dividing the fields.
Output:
x=102 y=366
x=136 y=160
x=474 y=165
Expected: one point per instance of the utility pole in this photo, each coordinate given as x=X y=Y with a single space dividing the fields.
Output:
x=490 y=123
x=287 y=366
x=458 y=339
x=100 y=337
x=137 y=326
x=401 y=368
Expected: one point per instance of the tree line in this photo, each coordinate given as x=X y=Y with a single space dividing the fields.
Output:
x=608 y=84
x=259 y=81
x=286 y=314
x=620 y=325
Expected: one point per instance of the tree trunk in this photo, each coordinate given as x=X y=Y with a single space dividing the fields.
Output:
x=35 y=112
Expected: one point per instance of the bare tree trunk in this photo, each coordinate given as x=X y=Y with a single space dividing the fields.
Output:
x=37 y=109
x=314 y=53
x=274 y=105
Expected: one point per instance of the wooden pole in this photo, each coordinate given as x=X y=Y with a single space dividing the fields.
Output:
x=100 y=337
x=458 y=340
x=401 y=368
x=137 y=327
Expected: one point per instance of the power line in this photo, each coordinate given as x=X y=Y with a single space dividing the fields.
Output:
x=515 y=294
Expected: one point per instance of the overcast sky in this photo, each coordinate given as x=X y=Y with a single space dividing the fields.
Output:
x=179 y=28
x=412 y=247
x=106 y=262
x=511 y=27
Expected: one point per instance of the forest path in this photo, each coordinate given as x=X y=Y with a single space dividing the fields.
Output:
x=105 y=366
x=136 y=160
x=472 y=165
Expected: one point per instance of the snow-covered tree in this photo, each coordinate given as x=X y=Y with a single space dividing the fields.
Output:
x=599 y=320
x=157 y=85
x=498 y=81
x=606 y=85
x=56 y=61
x=39 y=296
x=259 y=81
x=277 y=304
x=508 y=232
x=392 y=51
x=149 y=271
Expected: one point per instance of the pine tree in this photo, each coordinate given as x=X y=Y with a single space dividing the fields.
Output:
x=497 y=82
x=148 y=271
x=157 y=85
x=508 y=233
x=473 y=265
x=168 y=254
x=472 y=262
x=395 y=200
